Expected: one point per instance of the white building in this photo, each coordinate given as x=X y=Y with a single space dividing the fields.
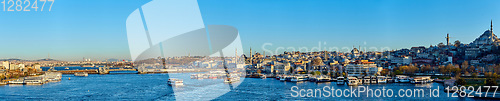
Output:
x=362 y=68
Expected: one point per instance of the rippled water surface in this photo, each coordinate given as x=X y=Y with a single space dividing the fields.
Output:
x=154 y=87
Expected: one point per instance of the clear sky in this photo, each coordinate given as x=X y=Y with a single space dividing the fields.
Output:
x=95 y=29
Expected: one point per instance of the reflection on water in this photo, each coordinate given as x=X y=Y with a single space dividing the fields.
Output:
x=155 y=87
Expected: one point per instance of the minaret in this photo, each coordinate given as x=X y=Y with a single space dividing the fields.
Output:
x=491 y=27
x=251 y=58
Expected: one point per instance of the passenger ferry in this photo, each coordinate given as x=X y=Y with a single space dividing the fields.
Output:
x=232 y=79
x=366 y=80
x=323 y=79
x=381 y=79
x=352 y=81
x=340 y=80
x=18 y=81
x=421 y=79
x=402 y=79
x=298 y=79
x=373 y=79
x=175 y=82
x=81 y=74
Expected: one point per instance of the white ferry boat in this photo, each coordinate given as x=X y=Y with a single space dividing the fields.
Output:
x=421 y=80
x=298 y=79
x=340 y=80
x=323 y=79
x=18 y=81
x=402 y=79
x=381 y=79
x=175 y=82
x=352 y=81
x=366 y=79
x=81 y=74
x=232 y=79
x=33 y=80
x=373 y=79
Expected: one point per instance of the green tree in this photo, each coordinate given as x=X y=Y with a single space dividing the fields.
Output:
x=317 y=73
x=491 y=82
x=474 y=75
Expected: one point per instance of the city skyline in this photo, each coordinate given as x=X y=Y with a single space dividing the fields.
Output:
x=97 y=31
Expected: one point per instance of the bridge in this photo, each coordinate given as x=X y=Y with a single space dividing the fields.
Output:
x=101 y=70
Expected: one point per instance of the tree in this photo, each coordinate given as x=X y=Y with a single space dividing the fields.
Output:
x=474 y=75
x=465 y=65
x=440 y=45
x=460 y=81
x=457 y=43
x=491 y=82
x=427 y=68
x=317 y=73
x=398 y=72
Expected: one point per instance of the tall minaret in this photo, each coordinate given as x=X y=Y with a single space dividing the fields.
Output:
x=251 y=58
x=491 y=27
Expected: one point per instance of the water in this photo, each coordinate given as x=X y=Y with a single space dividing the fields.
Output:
x=154 y=87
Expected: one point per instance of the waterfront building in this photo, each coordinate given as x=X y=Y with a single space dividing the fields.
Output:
x=362 y=68
x=282 y=68
x=6 y=65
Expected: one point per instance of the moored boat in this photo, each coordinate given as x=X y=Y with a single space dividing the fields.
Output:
x=366 y=79
x=381 y=79
x=340 y=80
x=81 y=74
x=175 y=82
x=322 y=79
x=352 y=81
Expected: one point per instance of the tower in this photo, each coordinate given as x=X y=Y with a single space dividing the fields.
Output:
x=447 y=39
x=491 y=27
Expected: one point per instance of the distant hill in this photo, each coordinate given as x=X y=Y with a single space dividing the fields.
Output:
x=28 y=60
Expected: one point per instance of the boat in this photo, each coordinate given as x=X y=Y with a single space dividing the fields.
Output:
x=283 y=78
x=81 y=74
x=66 y=68
x=33 y=80
x=92 y=65
x=3 y=83
x=352 y=81
x=381 y=79
x=340 y=80
x=389 y=79
x=322 y=79
x=175 y=82
x=18 y=81
x=402 y=79
x=298 y=79
x=421 y=80
x=232 y=79
x=366 y=79
x=373 y=79
x=263 y=76
x=278 y=77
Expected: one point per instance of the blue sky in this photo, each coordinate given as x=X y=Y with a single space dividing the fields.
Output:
x=74 y=29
